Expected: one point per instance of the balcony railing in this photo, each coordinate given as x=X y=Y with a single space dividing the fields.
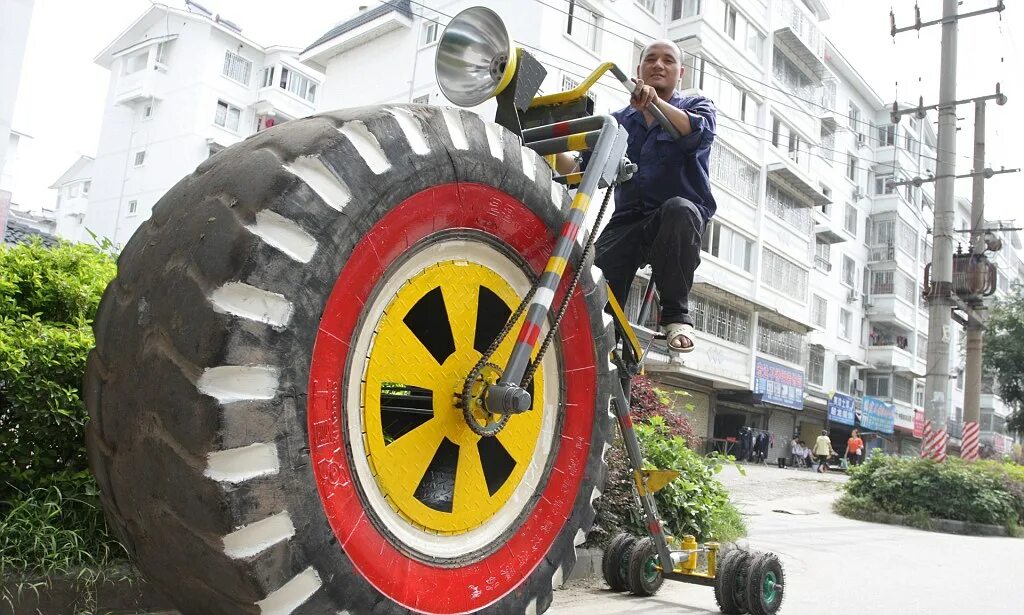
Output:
x=878 y=254
x=822 y=263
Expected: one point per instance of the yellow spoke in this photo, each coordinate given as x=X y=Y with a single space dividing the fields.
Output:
x=470 y=484
x=460 y=299
x=398 y=356
x=519 y=436
x=402 y=464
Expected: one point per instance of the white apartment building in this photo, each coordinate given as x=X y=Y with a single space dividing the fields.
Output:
x=13 y=34
x=812 y=267
x=73 y=201
x=184 y=84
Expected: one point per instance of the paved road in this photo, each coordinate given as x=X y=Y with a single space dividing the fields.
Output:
x=836 y=566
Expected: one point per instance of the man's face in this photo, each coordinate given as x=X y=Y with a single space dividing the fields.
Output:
x=660 y=68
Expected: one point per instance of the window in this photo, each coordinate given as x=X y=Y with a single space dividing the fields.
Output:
x=135 y=62
x=140 y=158
x=919 y=395
x=883 y=183
x=720 y=320
x=883 y=282
x=843 y=378
x=845 y=324
x=854 y=118
x=822 y=255
x=236 y=67
x=877 y=385
x=268 y=77
x=783 y=275
x=819 y=311
x=886 y=135
x=730 y=169
x=959 y=380
x=163 y=52
x=827 y=146
x=791 y=76
x=922 y=346
x=903 y=389
x=789 y=208
x=779 y=342
x=851 y=167
x=133 y=208
x=85 y=188
x=723 y=242
x=685 y=8
x=730 y=21
x=755 y=41
x=147 y=111
x=816 y=365
x=227 y=115
x=583 y=26
x=651 y=6
x=850 y=223
x=298 y=84
x=429 y=33
x=849 y=271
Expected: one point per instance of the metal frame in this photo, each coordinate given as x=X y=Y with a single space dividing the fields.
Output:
x=607 y=140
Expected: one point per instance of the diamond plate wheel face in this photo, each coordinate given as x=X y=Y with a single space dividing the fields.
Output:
x=442 y=490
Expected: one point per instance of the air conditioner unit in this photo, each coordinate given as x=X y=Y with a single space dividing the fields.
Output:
x=857 y=386
x=858 y=193
x=851 y=296
x=862 y=140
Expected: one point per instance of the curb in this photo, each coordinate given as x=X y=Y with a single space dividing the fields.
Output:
x=588 y=565
x=947 y=526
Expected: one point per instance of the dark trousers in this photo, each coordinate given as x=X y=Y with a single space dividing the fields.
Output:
x=669 y=239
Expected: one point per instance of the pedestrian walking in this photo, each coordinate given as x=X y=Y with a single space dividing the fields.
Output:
x=855 y=449
x=823 y=450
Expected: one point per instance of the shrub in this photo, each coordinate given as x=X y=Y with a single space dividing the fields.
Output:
x=981 y=492
x=695 y=503
x=50 y=519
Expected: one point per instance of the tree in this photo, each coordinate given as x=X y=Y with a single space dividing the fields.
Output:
x=1004 y=352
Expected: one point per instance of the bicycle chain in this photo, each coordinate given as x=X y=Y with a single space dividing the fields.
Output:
x=474 y=374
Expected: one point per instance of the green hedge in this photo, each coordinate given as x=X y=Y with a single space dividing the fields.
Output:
x=50 y=520
x=981 y=492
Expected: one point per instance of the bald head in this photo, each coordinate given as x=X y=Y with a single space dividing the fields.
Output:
x=664 y=43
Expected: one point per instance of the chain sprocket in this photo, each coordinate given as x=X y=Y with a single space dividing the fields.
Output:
x=474 y=410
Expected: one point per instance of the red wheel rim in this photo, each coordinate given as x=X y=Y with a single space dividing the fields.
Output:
x=411 y=582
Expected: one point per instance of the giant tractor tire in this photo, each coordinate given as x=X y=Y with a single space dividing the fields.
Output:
x=273 y=395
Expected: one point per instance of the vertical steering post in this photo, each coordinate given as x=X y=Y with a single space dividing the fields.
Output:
x=636 y=462
x=507 y=396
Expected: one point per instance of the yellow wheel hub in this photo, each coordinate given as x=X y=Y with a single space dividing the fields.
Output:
x=428 y=464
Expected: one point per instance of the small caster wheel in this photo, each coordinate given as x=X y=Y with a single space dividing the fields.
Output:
x=765 y=584
x=731 y=582
x=615 y=562
x=645 y=576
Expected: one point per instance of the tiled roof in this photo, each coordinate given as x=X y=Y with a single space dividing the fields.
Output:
x=386 y=6
x=16 y=233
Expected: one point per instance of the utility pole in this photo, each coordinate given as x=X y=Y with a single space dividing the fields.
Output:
x=939 y=294
x=975 y=326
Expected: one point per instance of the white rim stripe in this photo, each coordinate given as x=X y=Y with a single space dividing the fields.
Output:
x=259 y=536
x=236 y=465
x=253 y=303
x=319 y=178
x=367 y=145
x=411 y=129
x=292 y=594
x=229 y=383
x=283 y=234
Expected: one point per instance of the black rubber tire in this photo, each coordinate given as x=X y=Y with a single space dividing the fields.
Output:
x=732 y=574
x=615 y=562
x=639 y=557
x=761 y=567
x=151 y=431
